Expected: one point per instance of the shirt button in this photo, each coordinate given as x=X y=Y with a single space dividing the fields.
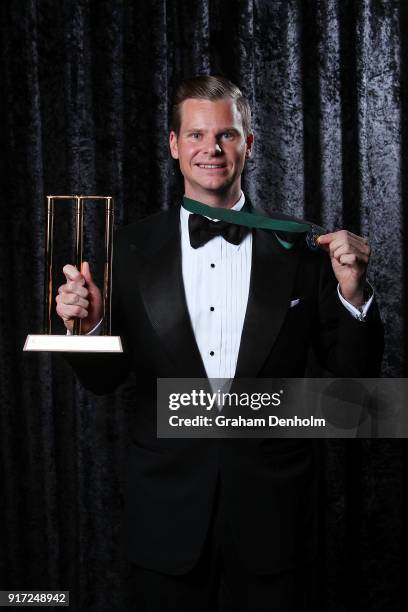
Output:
x=212 y=308
x=213 y=265
x=212 y=353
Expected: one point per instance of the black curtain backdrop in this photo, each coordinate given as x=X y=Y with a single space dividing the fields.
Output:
x=85 y=92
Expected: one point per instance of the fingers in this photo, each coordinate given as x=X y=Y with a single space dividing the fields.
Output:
x=79 y=298
x=72 y=296
x=326 y=238
x=71 y=305
x=348 y=259
x=361 y=253
x=341 y=244
x=74 y=287
x=72 y=299
x=73 y=274
x=75 y=281
x=67 y=312
x=342 y=237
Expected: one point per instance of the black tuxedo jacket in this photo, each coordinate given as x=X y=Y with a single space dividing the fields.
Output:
x=268 y=486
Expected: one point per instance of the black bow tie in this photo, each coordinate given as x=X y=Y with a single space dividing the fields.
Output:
x=202 y=230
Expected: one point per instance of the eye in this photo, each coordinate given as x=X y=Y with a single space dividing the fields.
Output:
x=195 y=135
x=227 y=135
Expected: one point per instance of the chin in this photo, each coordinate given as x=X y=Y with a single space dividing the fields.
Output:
x=216 y=186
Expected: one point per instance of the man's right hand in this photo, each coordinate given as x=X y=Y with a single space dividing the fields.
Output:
x=79 y=298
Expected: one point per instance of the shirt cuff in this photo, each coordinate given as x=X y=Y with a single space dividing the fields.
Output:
x=360 y=312
x=93 y=332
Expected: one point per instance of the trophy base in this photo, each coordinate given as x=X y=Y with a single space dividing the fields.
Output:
x=73 y=344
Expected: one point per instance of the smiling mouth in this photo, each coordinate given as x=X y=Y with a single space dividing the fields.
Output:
x=211 y=166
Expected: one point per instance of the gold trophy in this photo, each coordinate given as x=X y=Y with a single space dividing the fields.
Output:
x=101 y=343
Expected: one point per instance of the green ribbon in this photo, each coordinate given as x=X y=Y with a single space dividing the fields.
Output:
x=251 y=219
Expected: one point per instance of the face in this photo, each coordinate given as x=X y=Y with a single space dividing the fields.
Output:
x=211 y=148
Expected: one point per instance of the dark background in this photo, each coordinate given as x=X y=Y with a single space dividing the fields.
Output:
x=85 y=90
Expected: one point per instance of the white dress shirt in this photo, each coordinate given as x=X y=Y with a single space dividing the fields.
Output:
x=216 y=282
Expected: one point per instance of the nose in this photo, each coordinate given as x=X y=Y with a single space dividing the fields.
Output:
x=212 y=146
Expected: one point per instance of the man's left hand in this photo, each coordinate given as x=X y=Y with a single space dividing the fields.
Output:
x=349 y=256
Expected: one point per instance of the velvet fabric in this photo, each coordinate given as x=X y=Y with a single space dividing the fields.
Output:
x=85 y=93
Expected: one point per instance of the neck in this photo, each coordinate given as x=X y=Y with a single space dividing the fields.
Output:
x=226 y=199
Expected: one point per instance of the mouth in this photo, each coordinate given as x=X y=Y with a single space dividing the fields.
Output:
x=211 y=166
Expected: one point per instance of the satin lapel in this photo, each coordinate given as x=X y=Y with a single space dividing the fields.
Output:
x=273 y=274
x=162 y=289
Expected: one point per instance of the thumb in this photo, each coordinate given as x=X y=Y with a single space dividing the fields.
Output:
x=86 y=273
x=324 y=241
x=72 y=273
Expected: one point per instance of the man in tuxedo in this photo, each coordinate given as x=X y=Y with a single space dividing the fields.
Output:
x=198 y=298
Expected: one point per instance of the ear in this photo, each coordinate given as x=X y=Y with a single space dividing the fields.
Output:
x=249 y=144
x=173 y=145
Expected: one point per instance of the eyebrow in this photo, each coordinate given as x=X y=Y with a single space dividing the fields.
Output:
x=220 y=131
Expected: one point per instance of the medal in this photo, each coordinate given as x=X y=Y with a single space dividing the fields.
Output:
x=312 y=237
